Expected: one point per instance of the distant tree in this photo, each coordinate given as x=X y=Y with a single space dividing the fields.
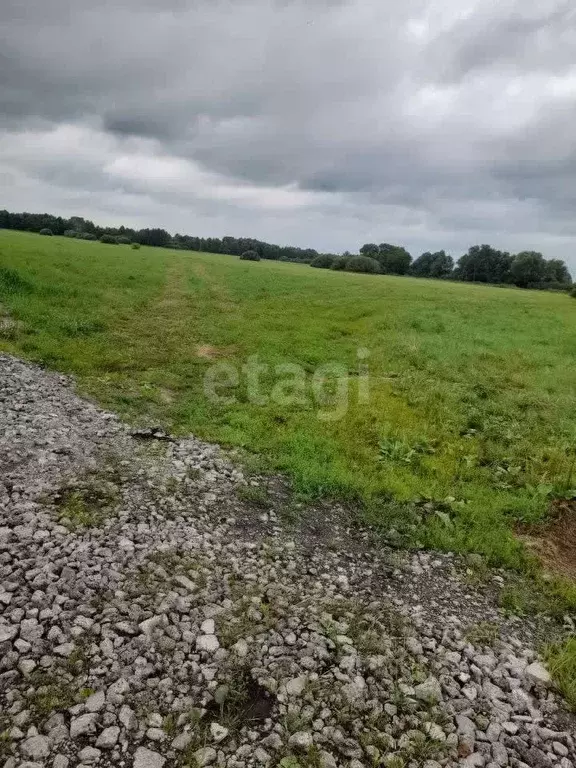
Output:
x=573 y=292
x=323 y=261
x=123 y=240
x=528 y=267
x=71 y=233
x=88 y=236
x=421 y=266
x=557 y=272
x=370 y=249
x=46 y=231
x=484 y=264
x=155 y=237
x=135 y=246
x=442 y=265
x=110 y=239
x=393 y=259
x=362 y=264
x=250 y=256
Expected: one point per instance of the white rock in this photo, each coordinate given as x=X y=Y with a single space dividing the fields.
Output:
x=146 y=758
x=182 y=741
x=95 y=702
x=429 y=690
x=538 y=674
x=301 y=740
x=37 y=747
x=208 y=643
x=205 y=756
x=108 y=738
x=296 y=686
x=240 y=648
x=7 y=632
x=218 y=732
x=85 y=724
x=208 y=627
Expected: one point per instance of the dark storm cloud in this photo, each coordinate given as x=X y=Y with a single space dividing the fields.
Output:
x=327 y=123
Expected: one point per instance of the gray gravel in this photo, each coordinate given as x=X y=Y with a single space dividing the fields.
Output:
x=151 y=615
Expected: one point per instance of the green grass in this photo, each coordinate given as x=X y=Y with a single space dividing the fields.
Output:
x=561 y=659
x=472 y=387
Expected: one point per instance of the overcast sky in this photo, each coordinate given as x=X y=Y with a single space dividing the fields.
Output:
x=323 y=123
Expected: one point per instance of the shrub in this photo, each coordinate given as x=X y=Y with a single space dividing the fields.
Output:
x=339 y=263
x=250 y=256
x=573 y=292
x=121 y=240
x=46 y=231
x=323 y=261
x=135 y=246
x=71 y=233
x=110 y=239
x=87 y=236
x=362 y=264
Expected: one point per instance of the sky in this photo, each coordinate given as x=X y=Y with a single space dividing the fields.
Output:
x=320 y=123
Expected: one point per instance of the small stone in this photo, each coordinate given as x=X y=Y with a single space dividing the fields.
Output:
x=296 y=686
x=208 y=643
x=37 y=747
x=182 y=741
x=204 y=756
x=95 y=702
x=261 y=756
x=108 y=737
x=301 y=740
x=218 y=732
x=7 y=632
x=85 y=724
x=560 y=749
x=89 y=755
x=538 y=674
x=128 y=718
x=429 y=691
x=148 y=626
x=60 y=761
x=65 y=650
x=240 y=648
x=147 y=758
x=208 y=627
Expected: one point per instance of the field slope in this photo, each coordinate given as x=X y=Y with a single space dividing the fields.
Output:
x=472 y=390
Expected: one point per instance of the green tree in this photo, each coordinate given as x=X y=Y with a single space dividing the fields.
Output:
x=393 y=259
x=484 y=264
x=370 y=249
x=528 y=268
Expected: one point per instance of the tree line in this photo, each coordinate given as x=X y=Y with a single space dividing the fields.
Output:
x=480 y=264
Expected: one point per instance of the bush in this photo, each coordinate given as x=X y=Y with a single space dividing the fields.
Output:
x=87 y=236
x=323 y=261
x=135 y=246
x=110 y=239
x=339 y=263
x=121 y=240
x=573 y=292
x=71 y=233
x=362 y=264
x=46 y=231
x=250 y=256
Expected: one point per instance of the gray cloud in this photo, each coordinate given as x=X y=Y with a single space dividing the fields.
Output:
x=325 y=122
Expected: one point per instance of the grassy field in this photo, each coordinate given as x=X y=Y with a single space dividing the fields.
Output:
x=472 y=395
